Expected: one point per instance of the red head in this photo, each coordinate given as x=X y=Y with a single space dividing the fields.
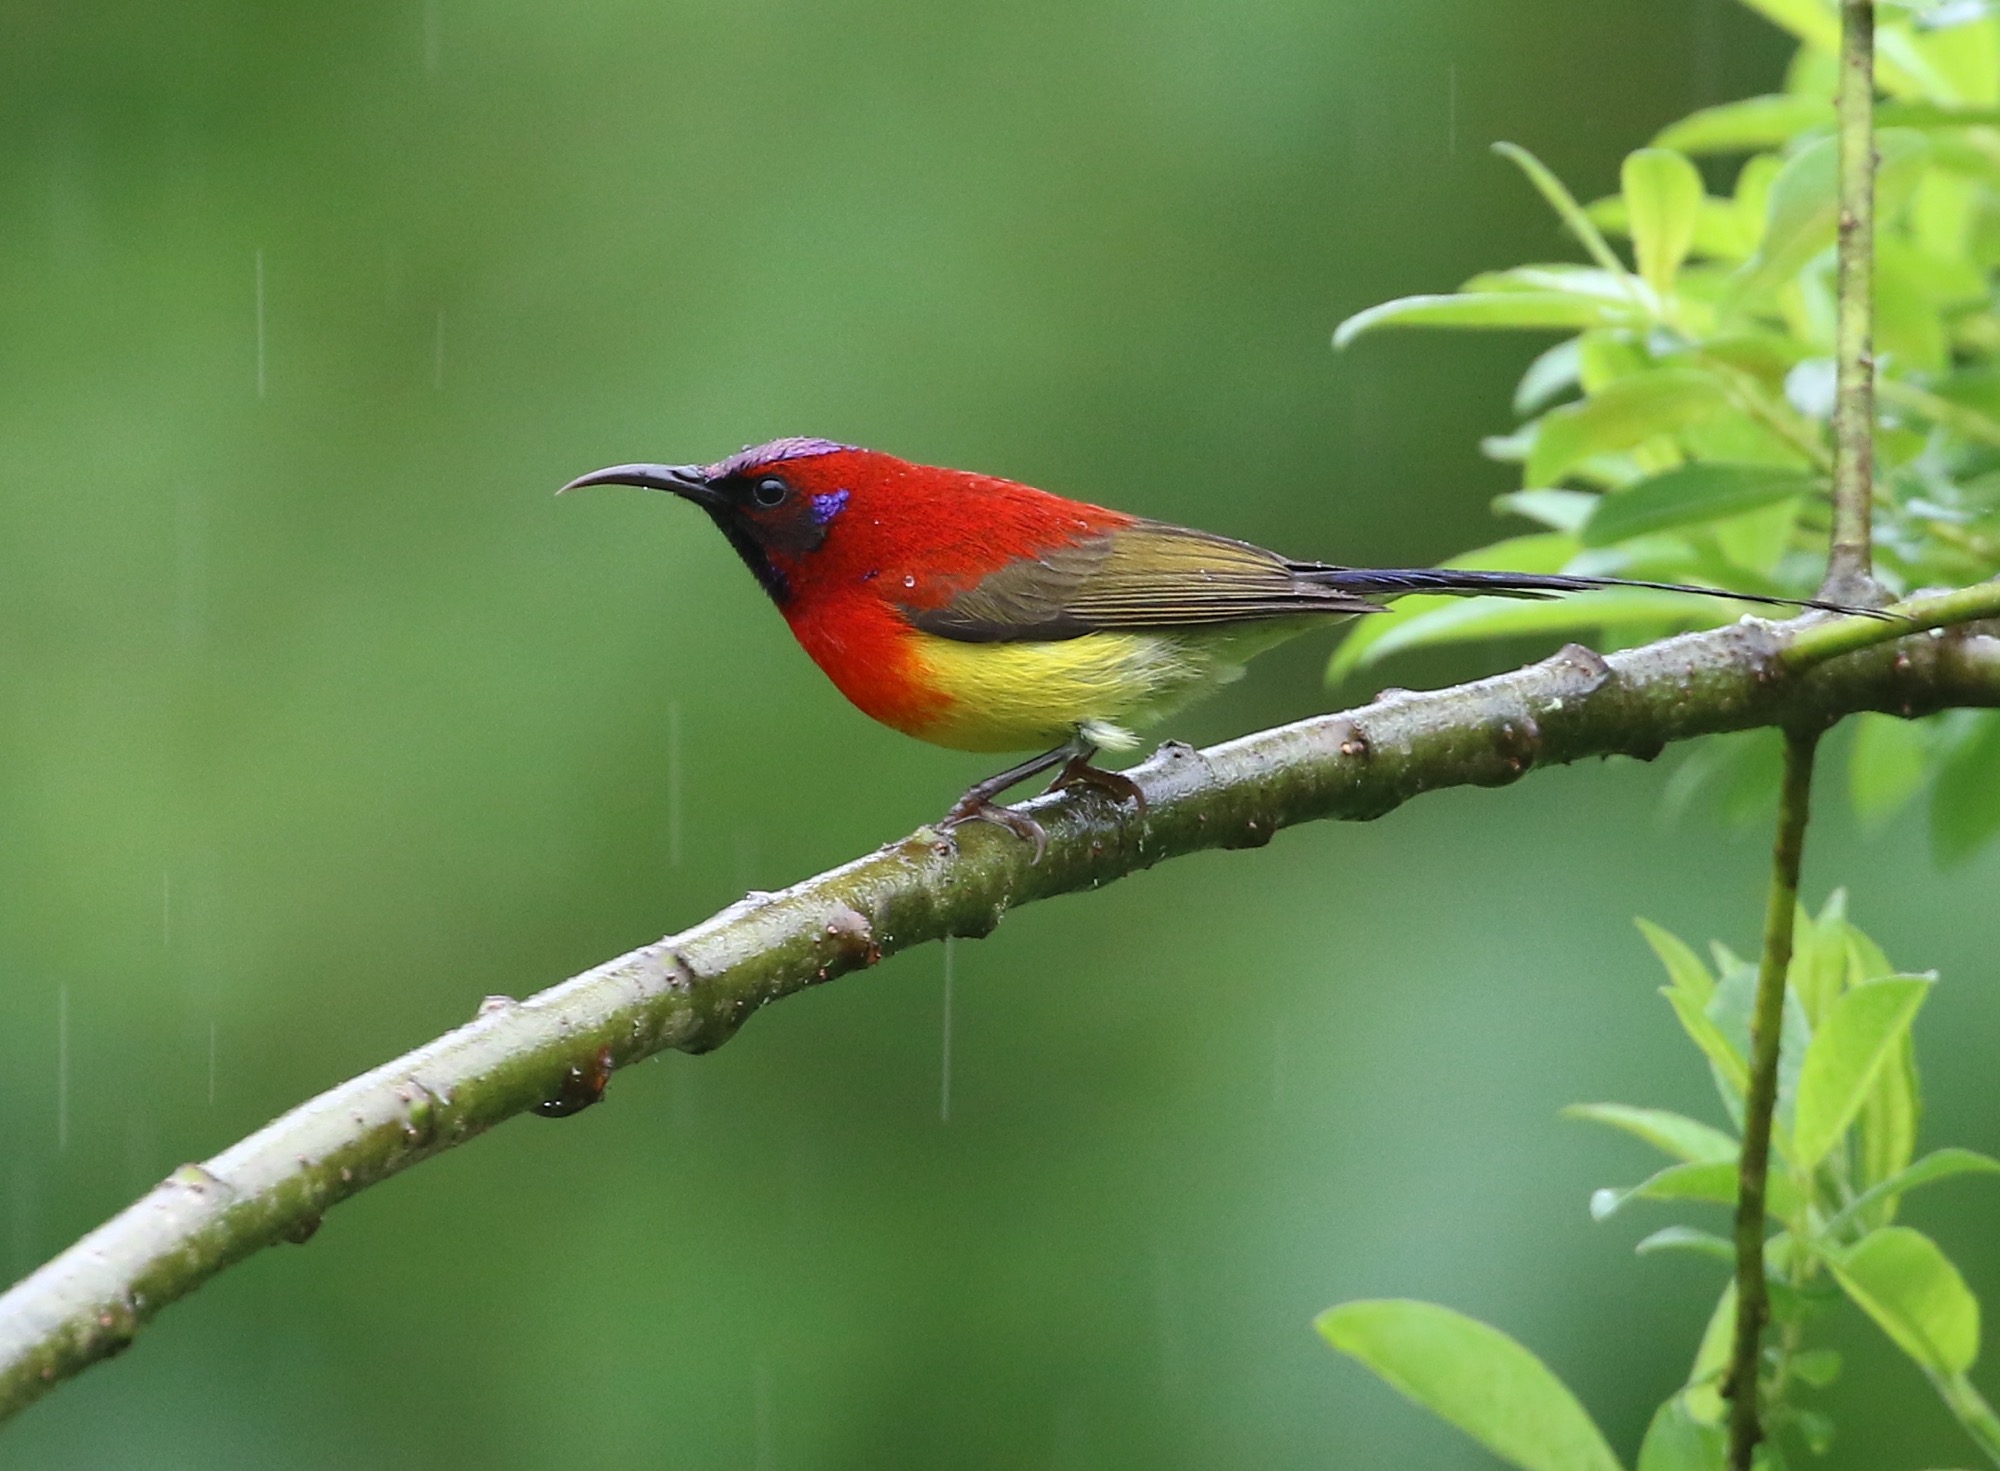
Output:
x=852 y=545
x=818 y=521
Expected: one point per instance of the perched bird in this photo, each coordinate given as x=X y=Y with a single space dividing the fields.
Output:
x=981 y=614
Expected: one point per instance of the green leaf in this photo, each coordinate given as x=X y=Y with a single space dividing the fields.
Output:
x=1554 y=371
x=1758 y=540
x=1751 y=198
x=1812 y=21
x=1613 y=288
x=1560 y=510
x=1865 y=960
x=1663 y=198
x=1802 y=211
x=1712 y=1182
x=1764 y=356
x=1623 y=414
x=1939 y=1164
x=1844 y=1058
x=1473 y=1376
x=1915 y=1295
x=1684 y=968
x=1718 y=227
x=1888 y=1126
x=1909 y=69
x=1689 y=494
x=1565 y=205
x=1722 y=234
x=1961 y=42
x=1886 y=767
x=1690 y=995
x=1888 y=1121
x=1946 y=412
x=1686 y=1238
x=1818 y=1367
x=1747 y=126
x=1933 y=115
x=1735 y=1000
x=1605 y=357
x=1909 y=325
x=1818 y=972
x=1675 y=1134
x=1711 y=1359
x=1975 y=387
x=1965 y=803
x=1489 y=309
x=1725 y=1059
x=1509 y=449
x=1677 y=1441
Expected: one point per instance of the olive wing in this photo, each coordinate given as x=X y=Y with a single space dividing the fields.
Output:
x=1146 y=575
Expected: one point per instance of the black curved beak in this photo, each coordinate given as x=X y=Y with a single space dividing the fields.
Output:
x=681 y=480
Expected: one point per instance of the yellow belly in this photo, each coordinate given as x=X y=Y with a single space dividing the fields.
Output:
x=1022 y=696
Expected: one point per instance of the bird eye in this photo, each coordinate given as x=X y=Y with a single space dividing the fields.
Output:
x=769 y=492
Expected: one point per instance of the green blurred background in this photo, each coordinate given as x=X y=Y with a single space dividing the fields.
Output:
x=321 y=719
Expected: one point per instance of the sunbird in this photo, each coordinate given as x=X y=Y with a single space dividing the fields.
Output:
x=985 y=615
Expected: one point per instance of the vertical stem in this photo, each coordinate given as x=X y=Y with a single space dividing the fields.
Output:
x=1766 y=1025
x=1850 y=560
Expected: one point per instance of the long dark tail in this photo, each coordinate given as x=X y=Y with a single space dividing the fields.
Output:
x=1389 y=582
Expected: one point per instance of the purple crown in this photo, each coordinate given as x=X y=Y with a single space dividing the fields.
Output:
x=755 y=457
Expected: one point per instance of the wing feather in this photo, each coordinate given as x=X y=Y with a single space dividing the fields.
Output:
x=1148 y=575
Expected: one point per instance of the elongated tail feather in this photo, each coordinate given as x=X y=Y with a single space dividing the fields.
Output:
x=1389 y=582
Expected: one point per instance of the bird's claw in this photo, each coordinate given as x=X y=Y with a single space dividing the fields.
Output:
x=1019 y=824
x=1114 y=784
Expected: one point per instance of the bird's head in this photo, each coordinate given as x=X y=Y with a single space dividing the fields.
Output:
x=820 y=522
x=776 y=502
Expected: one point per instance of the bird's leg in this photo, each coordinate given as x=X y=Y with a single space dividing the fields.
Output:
x=977 y=805
x=1078 y=772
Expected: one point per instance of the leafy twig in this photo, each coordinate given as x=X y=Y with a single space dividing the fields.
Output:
x=1850 y=577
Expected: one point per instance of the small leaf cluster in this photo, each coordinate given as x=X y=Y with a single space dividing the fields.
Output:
x=1680 y=429
x=1844 y=1156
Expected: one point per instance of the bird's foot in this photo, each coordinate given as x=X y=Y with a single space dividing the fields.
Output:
x=976 y=807
x=1078 y=772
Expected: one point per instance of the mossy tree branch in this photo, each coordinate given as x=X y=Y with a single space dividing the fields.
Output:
x=554 y=1052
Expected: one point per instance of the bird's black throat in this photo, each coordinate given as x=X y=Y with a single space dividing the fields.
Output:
x=752 y=552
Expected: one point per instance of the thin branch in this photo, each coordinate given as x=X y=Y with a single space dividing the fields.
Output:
x=1850 y=577
x=1850 y=561
x=1753 y=1308
x=1830 y=637
x=554 y=1052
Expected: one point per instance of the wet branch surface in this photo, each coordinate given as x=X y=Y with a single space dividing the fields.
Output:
x=554 y=1052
